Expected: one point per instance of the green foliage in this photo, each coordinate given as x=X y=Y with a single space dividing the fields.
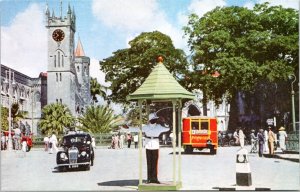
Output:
x=97 y=119
x=245 y=46
x=56 y=118
x=16 y=113
x=97 y=89
x=128 y=68
x=4 y=116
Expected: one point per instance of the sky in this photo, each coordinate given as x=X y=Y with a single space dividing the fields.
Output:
x=104 y=26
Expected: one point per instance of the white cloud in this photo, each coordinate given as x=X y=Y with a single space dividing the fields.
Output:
x=24 y=44
x=199 y=7
x=95 y=72
x=136 y=16
x=285 y=3
x=249 y=5
x=133 y=15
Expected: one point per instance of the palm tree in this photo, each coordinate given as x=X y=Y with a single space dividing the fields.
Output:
x=97 y=89
x=56 y=118
x=97 y=119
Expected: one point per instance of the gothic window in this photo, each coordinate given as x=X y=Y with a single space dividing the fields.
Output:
x=56 y=77
x=84 y=69
x=60 y=76
x=60 y=100
x=58 y=54
x=56 y=100
x=62 y=60
x=78 y=69
x=54 y=60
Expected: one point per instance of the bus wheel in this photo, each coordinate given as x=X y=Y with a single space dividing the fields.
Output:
x=188 y=149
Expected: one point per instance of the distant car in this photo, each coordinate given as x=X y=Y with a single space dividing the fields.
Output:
x=77 y=152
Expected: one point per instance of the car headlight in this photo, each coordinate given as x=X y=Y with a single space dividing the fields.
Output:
x=83 y=153
x=63 y=156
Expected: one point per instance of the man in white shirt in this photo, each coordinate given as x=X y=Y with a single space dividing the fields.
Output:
x=152 y=132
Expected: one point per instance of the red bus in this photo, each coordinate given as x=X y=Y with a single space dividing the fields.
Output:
x=199 y=133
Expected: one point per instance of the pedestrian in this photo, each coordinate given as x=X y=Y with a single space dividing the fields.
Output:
x=236 y=136
x=17 y=138
x=3 y=146
x=93 y=143
x=253 y=142
x=152 y=132
x=122 y=138
x=136 y=140
x=128 y=140
x=116 y=142
x=261 y=141
x=271 y=140
x=53 y=141
x=266 y=138
x=46 y=143
x=282 y=137
x=241 y=138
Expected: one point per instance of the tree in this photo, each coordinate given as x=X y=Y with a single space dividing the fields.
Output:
x=4 y=118
x=97 y=119
x=97 y=89
x=17 y=114
x=56 y=118
x=246 y=47
x=128 y=68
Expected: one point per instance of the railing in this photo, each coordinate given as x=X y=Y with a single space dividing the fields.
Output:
x=292 y=142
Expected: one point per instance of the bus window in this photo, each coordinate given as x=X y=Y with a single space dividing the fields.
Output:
x=204 y=125
x=195 y=126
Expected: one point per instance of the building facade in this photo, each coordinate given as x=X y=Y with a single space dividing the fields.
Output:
x=66 y=81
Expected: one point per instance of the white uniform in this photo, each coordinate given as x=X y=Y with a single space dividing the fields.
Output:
x=282 y=136
x=53 y=140
x=152 y=132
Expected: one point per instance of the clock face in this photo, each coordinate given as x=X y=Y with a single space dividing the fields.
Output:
x=58 y=35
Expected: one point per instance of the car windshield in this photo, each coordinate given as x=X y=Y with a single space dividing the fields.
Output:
x=76 y=139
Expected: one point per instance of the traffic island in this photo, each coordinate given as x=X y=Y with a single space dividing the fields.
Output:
x=163 y=186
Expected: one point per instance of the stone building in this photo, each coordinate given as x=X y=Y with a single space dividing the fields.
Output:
x=66 y=81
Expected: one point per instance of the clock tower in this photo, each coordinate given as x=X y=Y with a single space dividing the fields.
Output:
x=61 y=73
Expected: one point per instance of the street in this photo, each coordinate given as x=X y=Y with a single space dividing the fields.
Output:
x=118 y=170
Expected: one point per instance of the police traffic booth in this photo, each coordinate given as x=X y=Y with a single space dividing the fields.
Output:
x=161 y=86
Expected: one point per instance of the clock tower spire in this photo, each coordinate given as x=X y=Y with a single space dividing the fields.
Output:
x=61 y=78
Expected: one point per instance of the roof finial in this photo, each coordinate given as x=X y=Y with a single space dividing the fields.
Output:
x=160 y=59
x=61 y=9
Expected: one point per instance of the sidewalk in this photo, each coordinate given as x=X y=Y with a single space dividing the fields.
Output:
x=290 y=156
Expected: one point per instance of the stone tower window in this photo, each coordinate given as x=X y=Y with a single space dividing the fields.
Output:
x=60 y=76
x=54 y=60
x=78 y=69
x=62 y=60
x=56 y=77
x=58 y=54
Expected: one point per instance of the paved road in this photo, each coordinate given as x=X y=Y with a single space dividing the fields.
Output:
x=118 y=170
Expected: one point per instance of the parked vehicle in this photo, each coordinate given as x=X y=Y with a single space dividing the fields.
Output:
x=77 y=152
x=199 y=133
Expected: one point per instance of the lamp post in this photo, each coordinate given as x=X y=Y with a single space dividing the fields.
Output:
x=10 y=82
x=292 y=76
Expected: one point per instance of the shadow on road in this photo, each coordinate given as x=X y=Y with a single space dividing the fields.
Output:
x=120 y=183
x=194 y=153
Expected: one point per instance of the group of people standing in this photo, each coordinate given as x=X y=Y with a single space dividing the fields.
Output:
x=267 y=140
x=51 y=143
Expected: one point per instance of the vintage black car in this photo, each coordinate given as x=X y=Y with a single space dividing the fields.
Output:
x=77 y=152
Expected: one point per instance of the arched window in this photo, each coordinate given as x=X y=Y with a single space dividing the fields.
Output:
x=60 y=76
x=54 y=60
x=58 y=53
x=62 y=60
x=78 y=68
x=56 y=77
